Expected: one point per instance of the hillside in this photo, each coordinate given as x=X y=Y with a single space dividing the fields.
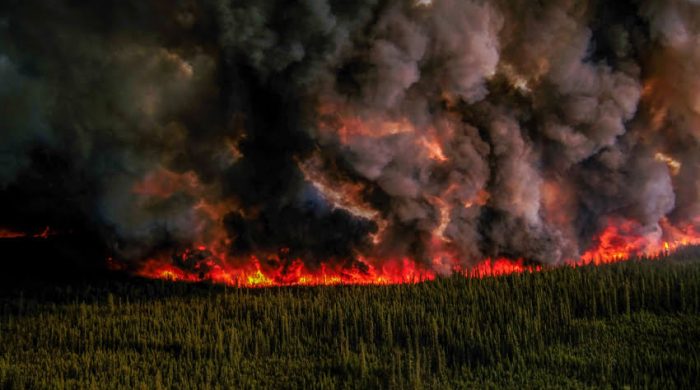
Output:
x=633 y=323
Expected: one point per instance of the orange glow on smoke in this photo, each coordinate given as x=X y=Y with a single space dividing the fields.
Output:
x=622 y=241
x=481 y=199
x=162 y=183
x=433 y=149
x=346 y=126
x=444 y=210
x=335 y=120
x=339 y=193
x=209 y=258
x=619 y=241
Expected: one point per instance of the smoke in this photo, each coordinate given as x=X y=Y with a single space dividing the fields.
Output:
x=443 y=131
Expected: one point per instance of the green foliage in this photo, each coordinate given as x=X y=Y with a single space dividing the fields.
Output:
x=634 y=324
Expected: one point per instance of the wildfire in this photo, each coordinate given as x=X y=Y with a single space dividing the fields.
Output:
x=500 y=267
x=622 y=240
x=296 y=273
x=9 y=233
x=256 y=273
x=619 y=241
x=209 y=259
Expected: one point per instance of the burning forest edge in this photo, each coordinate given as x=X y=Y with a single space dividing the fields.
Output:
x=275 y=272
x=626 y=324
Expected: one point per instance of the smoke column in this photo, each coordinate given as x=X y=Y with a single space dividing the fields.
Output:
x=281 y=138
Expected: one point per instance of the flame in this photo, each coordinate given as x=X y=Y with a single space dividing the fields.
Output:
x=615 y=243
x=501 y=267
x=10 y=233
x=622 y=240
x=256 y=273
x=209 y=258
x=45 y=233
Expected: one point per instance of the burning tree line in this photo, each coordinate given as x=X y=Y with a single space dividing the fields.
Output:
x=324 y=142
x=618 y=325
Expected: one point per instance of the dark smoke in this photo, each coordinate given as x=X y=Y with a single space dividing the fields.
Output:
x=336 y=129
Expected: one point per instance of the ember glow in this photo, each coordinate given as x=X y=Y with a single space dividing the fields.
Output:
x=10 y=233
x=7 y=233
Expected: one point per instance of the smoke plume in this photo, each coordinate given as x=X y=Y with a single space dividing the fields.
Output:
x=348 y=133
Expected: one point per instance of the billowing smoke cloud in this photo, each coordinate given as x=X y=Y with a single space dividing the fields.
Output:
x=443 y=131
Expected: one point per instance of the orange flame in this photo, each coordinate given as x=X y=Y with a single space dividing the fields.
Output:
x=622 y=241
x=256 y=273
x=209 y=259
x=500 y=267
x=9 y=233
x=619 y=241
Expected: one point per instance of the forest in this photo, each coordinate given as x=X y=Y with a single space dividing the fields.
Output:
x=635 y=323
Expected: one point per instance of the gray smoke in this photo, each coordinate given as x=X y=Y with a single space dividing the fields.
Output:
x=445 y=131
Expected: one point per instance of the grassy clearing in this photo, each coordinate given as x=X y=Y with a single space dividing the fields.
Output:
x=635 y=324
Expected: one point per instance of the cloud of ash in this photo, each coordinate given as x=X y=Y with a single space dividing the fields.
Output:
x=386 y=129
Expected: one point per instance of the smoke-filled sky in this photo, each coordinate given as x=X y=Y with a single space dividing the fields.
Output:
x=445 y=131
